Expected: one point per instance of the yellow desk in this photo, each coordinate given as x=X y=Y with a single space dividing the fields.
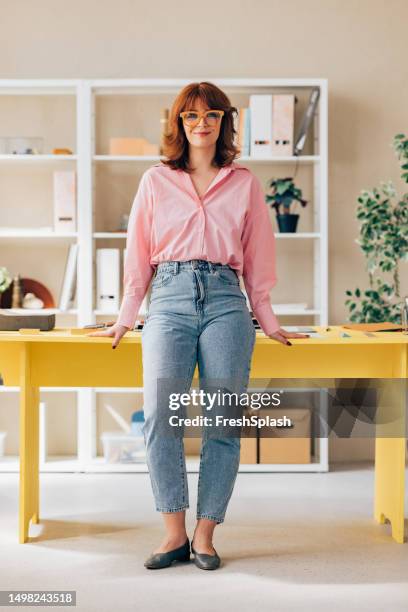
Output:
x=61 y=358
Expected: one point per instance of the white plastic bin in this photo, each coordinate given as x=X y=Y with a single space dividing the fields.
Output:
x=3 y=435
x=123 y=448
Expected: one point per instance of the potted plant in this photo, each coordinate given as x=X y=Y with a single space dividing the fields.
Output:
x=282 y=193
x=5 y=281
x=384 y=242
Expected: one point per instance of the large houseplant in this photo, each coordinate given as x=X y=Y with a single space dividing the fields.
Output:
x=384 y=242
x=282 y=193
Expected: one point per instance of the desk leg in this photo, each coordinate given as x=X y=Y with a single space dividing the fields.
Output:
x=29 y=447
x=390 y=484
x=390 y=460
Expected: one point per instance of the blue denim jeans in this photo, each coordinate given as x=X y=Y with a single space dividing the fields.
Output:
x=197 y=315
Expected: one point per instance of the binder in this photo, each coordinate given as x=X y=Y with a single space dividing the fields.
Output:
x=261 y=125
x=64 y=182
x=283 y=113
x=107 y=279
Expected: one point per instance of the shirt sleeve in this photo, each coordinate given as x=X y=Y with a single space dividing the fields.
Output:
x=137 y=269
x=259 y=267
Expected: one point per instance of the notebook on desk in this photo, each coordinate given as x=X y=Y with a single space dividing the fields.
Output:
x=373 y=327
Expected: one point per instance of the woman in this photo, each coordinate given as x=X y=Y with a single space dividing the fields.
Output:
x=198 y=221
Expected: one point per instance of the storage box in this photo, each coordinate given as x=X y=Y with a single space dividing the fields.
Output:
x=248 y=450
x=123 y=448
x=286 y=445
x=132 y=146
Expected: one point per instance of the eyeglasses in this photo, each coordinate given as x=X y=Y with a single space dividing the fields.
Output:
x=192 y=118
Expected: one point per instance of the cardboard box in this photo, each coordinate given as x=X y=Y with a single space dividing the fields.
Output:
x=286 y=445
x=132 y=146
x=248 y=450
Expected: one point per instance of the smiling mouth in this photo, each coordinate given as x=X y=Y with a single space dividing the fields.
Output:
x=202 y=133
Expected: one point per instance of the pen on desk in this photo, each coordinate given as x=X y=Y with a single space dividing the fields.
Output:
x=99 y=325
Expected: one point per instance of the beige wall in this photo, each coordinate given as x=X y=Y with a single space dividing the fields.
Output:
x=358 y=45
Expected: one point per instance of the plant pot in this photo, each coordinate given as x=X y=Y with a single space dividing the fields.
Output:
x=287 y=223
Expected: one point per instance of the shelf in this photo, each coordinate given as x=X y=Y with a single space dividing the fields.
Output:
x=296 y=235
x=70 y=311
x=7 y=389
x=45 y=158
x=126 y=158
x=108 y=314
x=119 y=390
x=10 y=463
x=111 y=235
x=295 y=311
x=32 y=237
x=193 y=465
x=245 y=158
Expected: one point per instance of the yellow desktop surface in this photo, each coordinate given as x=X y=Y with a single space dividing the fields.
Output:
x=79 y=334
x=67 y=357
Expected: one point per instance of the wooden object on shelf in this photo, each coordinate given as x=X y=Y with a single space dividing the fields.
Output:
x=29 y=285
x=62 y=151
x=132 y=146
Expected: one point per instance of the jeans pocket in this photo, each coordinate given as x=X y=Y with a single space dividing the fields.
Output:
x=162 y=279
x=227 y=276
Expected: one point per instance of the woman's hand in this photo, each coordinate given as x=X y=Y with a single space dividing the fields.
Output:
x=116 y=331
x=281 y=336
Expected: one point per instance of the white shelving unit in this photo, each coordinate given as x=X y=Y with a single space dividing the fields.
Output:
x=88 y=159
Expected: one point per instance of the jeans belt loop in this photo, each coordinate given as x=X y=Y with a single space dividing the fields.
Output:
x=176 y=267
x=211 y=267
x=194 y=264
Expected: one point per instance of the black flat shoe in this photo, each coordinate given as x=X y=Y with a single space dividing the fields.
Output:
x=159 y=560
x=204 y=561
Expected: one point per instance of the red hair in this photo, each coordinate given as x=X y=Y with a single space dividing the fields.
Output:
x=175 y=143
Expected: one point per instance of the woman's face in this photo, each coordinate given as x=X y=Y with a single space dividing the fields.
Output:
x=202 y=135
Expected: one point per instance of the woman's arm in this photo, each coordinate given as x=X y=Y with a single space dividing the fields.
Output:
x=259 y=271
x=137 y=269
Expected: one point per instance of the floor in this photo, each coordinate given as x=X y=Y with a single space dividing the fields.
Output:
x=289 y=542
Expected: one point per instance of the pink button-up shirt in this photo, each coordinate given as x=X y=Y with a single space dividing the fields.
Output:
x=230 y=224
